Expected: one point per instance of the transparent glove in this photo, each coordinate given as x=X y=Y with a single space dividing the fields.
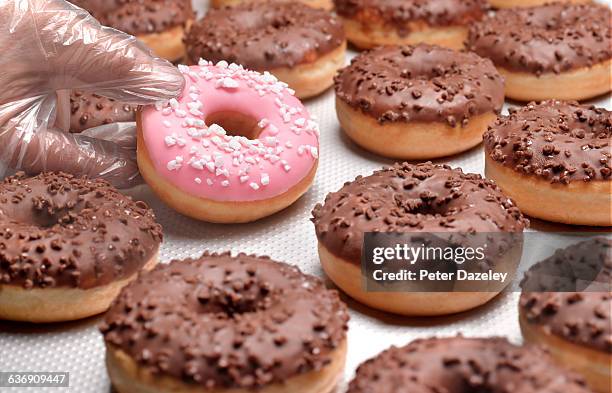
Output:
x=49 y=47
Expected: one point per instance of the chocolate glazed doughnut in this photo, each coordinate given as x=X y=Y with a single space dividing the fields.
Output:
x=68 y=245
x=160 y=24
x=411 y=198
x=224 y=324
x=575 y=326
x=302 y=46
x=88 y=110
x=560 y=51
x=418 y=102
x=371 y=23
x=460 y=365
x=324 y=4
x=554 y=159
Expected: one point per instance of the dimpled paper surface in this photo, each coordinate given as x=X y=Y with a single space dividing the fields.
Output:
x=289 y=236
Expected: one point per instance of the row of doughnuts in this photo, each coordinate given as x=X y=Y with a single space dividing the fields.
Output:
x=560 y=51
x=226 y=322
x=252 y=149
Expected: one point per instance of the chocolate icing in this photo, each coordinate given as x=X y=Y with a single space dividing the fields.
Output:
x=223 y=322
x=549 y=38
x=92 y=110
x=400 y=13
x=460 y=365
x=139 y=16
x=421 y=83
x=57 y=230
x=581 y=317
x=412 y=198
x=265 y=36
x=553 y=140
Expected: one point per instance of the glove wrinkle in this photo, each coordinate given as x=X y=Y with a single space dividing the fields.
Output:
x=50 y=47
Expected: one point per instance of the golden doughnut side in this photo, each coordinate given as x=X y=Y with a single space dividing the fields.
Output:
x=311 y=79
x=578 y=84
x=370 y=35
x=44 y=305
x=347 y=276
x=578 y=203
x=225 y=212
x=411 y=140
x=595 y=366
x=128 y=377
x=167 y=44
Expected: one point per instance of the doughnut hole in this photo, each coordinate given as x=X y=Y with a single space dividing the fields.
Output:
x=235 y=123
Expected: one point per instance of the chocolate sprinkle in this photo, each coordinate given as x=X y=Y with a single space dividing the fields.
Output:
x=227 y=322
x=57 y=230
x=402 y=13
x=421 y=83
x=580 y=317
x=264 y=36
x=89 y=110
x=412 y=198
x=139 y=16
x=550 y=38
x=460 y=365
x=554 y=140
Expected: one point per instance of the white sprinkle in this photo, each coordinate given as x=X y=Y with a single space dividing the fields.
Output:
x=254 y=186
x=195 y=112
x=205 y=143
x=229 y=83
x=263 y=123
x=167 y=124
x=170 y=141
x=301 y=122
x=210 y=166
x=166 y=111
x=174 y=104
x=217 y=129
x=225 y=183
x=265 y=179
x=222 y=64
x=288 y=144
x=197 y=164
x=271 y=141
x=244 y=179
x=287 y=168
x=273 y=129
x=314 y=152
x=198 y=180
x=209 y=182
x=300 y=150
x=202 y=62
x=159 y=105
x=176 y=164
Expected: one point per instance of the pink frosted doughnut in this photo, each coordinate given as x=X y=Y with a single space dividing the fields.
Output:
x=264 y=159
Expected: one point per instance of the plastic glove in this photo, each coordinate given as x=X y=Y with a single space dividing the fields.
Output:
x=49 y=47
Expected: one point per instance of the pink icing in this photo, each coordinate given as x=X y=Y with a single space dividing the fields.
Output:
x=205 y=161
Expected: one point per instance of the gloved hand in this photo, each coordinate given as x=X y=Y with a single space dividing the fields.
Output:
x=49 y=47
